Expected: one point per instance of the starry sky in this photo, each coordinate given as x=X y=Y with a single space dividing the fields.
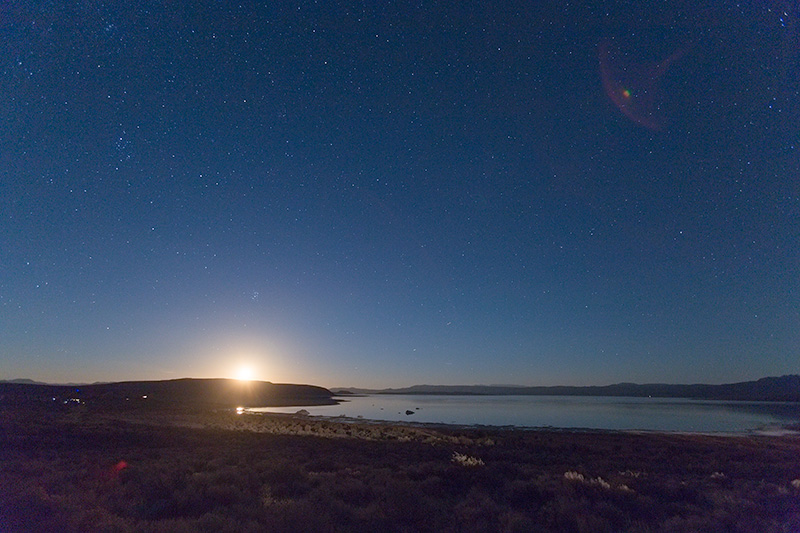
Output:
x=391 y=193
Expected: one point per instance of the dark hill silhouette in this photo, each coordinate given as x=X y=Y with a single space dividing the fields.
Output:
x=771 y=389
x=177 y=393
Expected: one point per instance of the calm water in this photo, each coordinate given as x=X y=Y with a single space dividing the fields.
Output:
x=656 y=414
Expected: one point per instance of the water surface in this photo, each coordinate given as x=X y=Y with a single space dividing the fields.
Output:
x=614 y=413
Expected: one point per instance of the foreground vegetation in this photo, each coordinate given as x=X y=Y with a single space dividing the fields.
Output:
x=78 y=470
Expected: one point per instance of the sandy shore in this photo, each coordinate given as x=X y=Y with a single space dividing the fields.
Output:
x=343 y=427
x=299 y=424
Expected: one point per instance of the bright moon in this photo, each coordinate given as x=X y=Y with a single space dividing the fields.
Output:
x=245 y=373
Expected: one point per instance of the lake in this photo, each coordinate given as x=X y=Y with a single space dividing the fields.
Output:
x=589 y=412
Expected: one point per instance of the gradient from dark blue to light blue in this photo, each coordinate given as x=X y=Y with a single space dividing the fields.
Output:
x=390 y=193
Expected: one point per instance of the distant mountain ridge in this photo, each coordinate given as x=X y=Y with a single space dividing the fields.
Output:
x=23 y=381
x=770 y=389
x=26 y=381
x=176 y=392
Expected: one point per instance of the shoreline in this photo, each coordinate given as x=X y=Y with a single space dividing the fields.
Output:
x=777 y=429
x=84 y=469
x=338 y=427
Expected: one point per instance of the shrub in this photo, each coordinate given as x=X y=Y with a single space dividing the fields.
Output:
x=466 y=460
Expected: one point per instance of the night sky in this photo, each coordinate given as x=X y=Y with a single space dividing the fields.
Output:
x=391 y=193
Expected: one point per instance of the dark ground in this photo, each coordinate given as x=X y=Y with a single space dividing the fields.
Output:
x=73 y=469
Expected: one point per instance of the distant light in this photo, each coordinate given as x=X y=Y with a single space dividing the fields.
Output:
x=144 y=397
x=239 y=410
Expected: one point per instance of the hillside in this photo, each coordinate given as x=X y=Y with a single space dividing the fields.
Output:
x=176 y=393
